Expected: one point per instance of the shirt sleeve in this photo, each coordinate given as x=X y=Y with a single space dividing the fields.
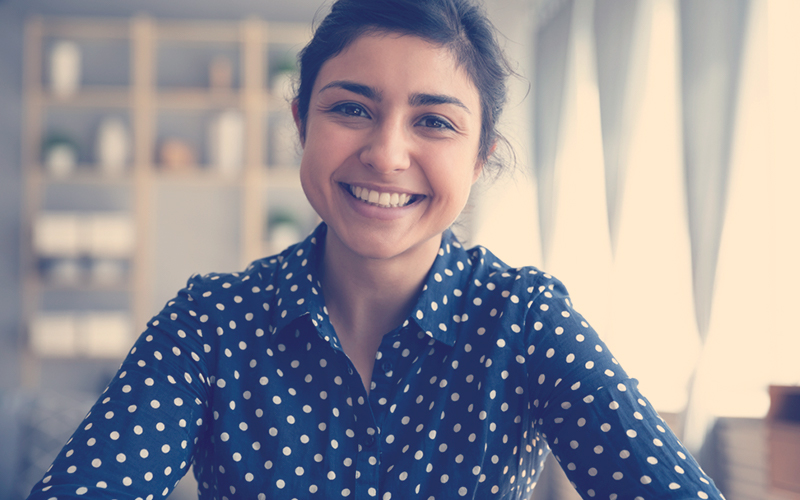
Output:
x=606 y=436
x=138 y=439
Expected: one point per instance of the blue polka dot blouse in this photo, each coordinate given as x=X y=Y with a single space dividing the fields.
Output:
x=243 y=377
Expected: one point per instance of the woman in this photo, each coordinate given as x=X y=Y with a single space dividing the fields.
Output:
x=378 y=358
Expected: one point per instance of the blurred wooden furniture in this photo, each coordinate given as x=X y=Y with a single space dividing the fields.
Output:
x=783 y=436
x=163 y=80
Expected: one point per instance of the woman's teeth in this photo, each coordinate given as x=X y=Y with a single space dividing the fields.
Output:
x=385 y=200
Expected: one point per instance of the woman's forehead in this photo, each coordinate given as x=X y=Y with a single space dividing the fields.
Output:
x=396 y=60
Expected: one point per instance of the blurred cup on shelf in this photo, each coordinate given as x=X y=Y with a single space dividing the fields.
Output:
x=176 y=155
x=65 y=272
x=54 y=334
x=65 y=68
x=60 y=160
x=220 y=74
x=107 y=271
x=59 y=154
x=112 y=146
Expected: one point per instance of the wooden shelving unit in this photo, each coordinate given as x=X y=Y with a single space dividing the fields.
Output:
x=146 y=98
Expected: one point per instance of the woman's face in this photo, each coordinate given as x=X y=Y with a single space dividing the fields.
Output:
x=391 y=141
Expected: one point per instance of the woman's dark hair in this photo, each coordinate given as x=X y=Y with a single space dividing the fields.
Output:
x=459 y=25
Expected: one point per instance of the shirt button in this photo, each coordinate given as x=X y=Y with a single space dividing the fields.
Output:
x=369 y=441
x=386 y=366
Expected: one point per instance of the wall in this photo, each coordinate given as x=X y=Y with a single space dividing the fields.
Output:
x=10 y=188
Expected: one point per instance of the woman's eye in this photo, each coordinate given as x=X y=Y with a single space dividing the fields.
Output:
x=435 y=122
x=350 y=109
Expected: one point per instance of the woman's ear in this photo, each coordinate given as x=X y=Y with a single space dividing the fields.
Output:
x=481 y=163
x=298 y=122
x=478 y=169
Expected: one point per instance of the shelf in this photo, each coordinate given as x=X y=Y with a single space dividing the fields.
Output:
x=91 y=97
x=98 y=28
x=169 y=82
x=82 y=287
x=205 y=98
x=198 y=98
x=209 y=32
x=84 y=174
x=43 y=285
x=277 y=177
x=198 y=175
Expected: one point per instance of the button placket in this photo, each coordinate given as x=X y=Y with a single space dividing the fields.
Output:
x=367 y=459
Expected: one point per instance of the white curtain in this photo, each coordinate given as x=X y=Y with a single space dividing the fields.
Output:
x=551 y=48
x=753 y=334
x=654 y=333
x=619 y=71
x=693 y=106
x=618 y=145
x=712 y=35
x=667 y=175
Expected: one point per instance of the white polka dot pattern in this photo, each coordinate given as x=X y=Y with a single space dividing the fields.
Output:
x=242 y=376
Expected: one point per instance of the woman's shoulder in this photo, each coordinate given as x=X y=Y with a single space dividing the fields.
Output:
x=492 y=274
x=261 y=274
x=257 y=275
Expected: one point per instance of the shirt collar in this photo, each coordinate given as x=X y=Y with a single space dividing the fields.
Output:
x=440 y=306
x=436 y=312
x=298 y=291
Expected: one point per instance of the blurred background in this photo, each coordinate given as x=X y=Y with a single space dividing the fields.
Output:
x=657 y=174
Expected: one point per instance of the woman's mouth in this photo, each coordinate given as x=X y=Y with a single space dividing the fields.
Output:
x=382 y=199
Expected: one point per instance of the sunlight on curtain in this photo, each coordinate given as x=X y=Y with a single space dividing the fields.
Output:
x=784 y=87
x=754 y=336
x=641 y=298
x=653 y=330
x=580 y=253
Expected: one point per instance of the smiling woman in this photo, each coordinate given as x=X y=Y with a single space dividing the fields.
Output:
x=379 y=358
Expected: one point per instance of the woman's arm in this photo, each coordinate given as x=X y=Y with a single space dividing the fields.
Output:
x=138 y=439
x=605 y=435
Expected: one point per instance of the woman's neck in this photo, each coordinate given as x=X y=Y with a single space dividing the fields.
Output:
x=368 y=297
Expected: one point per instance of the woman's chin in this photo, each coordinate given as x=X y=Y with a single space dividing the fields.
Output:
x=384 y=245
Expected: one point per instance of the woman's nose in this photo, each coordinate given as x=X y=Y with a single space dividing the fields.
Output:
x=387 y=149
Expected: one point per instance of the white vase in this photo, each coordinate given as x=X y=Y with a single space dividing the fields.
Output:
x=226 y=142
x=65 y=68
x=112 y=146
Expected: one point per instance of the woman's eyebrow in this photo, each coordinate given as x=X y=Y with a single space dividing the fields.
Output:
x=419 y=99
x=356 y=88
x=434 y=99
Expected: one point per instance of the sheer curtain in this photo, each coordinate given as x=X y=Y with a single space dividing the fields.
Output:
x=619 y=239
x=667 y=185
x=753 y=333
